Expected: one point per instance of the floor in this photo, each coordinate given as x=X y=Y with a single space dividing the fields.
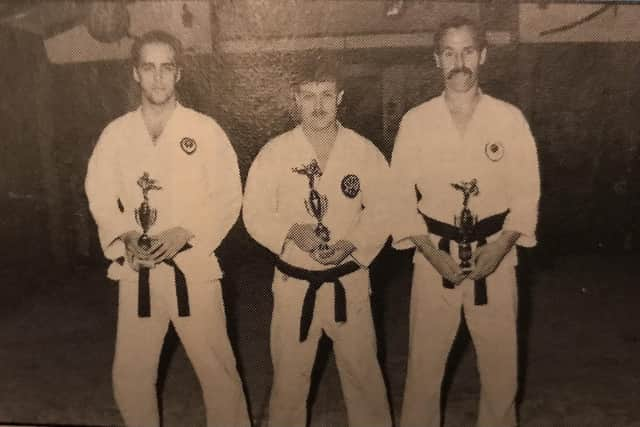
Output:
x=580 y=333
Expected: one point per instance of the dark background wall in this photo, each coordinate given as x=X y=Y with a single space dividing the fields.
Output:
x=582 y=103
x=23 y=209
x=581 y=100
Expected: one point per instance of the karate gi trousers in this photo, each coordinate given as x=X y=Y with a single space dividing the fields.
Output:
x=354 y=345
x=434 y=321
x=203 y=334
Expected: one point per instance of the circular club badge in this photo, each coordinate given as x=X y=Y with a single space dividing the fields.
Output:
x=188 y=145
x=350 y=186
x=494 y=151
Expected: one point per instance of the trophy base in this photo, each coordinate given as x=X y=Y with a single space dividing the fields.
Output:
x=466 y=255
x=144 y=242
x=323 y=232
x=466 y=267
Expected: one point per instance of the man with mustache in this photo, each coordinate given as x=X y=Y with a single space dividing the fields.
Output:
x=316 y=197
x=465 y=170
x=180 y=164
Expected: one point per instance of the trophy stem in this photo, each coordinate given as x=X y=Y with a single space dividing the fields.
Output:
x=323 y=232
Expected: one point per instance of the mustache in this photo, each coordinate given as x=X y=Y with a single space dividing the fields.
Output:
x=319 y=113
x=462 y=69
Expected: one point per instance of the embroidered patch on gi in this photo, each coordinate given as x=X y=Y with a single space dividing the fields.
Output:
x=188 y=145
x=494 y=151
x=350 y=186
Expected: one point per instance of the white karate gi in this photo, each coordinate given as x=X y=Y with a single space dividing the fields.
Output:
x=429 y=154
x=201 y=192
x=273 y=202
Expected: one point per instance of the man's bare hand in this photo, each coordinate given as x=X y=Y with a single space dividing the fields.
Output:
x=130 y=240
x=446 y=266
x=334 y=254
x=168 y=243
x=444 y=263
x=487 y=258
x=304 y=236
x=135 y=255
x=136 y=263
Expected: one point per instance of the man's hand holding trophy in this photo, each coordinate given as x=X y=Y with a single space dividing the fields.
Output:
x=314 y=239
x=142 y=250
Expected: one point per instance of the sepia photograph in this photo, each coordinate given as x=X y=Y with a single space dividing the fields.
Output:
x=319 y=213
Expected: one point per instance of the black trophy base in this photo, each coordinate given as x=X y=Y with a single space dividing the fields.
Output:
x=144 y=242
x=323 y=232
x=465 y=255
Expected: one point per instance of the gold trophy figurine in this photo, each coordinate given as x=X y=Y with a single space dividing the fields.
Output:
x=146 y=215
x=466 y=223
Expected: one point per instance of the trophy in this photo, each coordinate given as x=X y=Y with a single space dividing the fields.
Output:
x=466 y=222
x=317 y=203
x=146 y=215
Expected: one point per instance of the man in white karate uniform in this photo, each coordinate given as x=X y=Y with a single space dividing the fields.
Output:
x=316 y=198
x=181 y=164
x=463 y=148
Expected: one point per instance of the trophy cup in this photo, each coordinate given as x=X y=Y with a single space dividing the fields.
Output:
x=317 y=203
x=146 y=215
x=466 y=222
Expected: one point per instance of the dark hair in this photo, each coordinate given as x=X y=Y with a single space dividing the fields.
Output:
x=317 y=66
x=477 y=31
x=156 y=36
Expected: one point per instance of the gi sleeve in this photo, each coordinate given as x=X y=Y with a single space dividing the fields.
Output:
x=372 y=226
x=220 y=209
x=103 y=193
x=260 y=207
x=523 y=185
x=406 y=221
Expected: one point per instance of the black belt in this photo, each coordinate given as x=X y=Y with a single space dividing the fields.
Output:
x=316 y=279
x=483 y=229
x=144 y=296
